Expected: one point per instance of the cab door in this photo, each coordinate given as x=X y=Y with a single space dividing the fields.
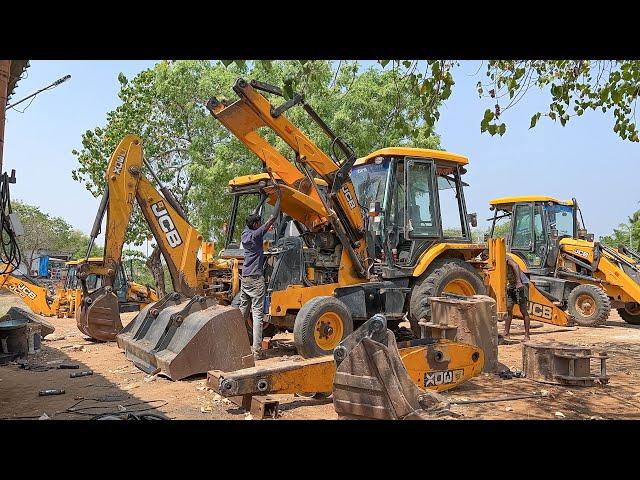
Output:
x=528 y=239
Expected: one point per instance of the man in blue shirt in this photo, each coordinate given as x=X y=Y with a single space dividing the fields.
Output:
x=252 y=284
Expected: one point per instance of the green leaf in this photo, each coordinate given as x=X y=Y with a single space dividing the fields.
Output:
x=502 y=128
x=384 y=63
x=534 y=120
x=226 y=63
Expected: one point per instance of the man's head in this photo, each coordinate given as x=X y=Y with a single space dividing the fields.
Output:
x=253 y=221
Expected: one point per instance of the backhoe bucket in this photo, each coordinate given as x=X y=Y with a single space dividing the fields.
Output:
x=180 y=336
x=372 y=382
x=99 y=316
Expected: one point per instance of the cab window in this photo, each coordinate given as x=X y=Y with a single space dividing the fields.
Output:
x=522 y=238
x=421 y=219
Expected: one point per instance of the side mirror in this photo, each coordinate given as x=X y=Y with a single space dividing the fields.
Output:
x=582 y=233
x=589 y=237
x=472 y=218
x=554 y=234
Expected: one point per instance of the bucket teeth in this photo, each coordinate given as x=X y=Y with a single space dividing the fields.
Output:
x=180 y=336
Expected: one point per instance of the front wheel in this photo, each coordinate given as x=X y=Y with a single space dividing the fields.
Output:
x=630 y=313
x=451 y=275
x=320 y=326
x=589 y=305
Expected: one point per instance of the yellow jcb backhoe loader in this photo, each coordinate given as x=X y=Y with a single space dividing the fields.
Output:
x=61 y=302
x=550 y=243
x=132 y=296
x=185 y=332
x=40 y=299
x=410 y=243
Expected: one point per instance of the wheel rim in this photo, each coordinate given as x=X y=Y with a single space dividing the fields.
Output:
x=459 y=286
x=585 y=305
x=328 y=330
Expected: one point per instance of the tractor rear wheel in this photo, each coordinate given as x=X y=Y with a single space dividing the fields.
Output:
x=630 y=313
x=451 y=275
x=320 y=326
x=589 y=305
x=268 y=329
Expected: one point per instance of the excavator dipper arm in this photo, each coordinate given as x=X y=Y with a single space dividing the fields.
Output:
x=98 y=315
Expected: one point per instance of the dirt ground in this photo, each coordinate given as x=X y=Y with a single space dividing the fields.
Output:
x=118 y=386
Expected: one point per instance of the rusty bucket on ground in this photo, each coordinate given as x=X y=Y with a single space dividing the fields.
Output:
x=99 y=315
x=180 y=336
x=372 y=382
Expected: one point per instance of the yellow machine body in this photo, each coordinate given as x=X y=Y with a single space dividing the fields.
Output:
x=317 y=374
x=563 y=256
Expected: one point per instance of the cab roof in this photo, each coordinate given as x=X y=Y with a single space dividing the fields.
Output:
x=504 y=201
x=415 y=152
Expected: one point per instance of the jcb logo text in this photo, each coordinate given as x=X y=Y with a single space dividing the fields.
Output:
x=166 y=224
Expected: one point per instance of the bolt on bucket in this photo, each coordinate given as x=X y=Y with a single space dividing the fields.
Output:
x=99 y=315
x=180 y=336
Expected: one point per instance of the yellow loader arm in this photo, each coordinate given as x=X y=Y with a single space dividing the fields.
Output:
x=253 y=111
x=541 y=308
x=98 y=315
x=33 y=295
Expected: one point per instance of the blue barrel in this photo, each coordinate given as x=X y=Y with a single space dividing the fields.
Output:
x=44 y=266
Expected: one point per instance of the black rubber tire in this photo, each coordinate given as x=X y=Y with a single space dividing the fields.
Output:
x=268 y=329
x=432 y=283
x=307 y=318
x=628 y=317
x=601 y=302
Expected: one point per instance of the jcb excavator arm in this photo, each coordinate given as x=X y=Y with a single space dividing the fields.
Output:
x=35 y=296
x=98 y=315
x=253 y=111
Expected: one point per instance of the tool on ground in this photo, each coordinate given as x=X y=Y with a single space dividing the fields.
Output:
x=551 y=245
x=63 y=366
x=86 y=373
x=52 y=391
x=562 y=364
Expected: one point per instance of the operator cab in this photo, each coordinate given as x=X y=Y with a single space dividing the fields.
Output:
x=95 y=281
x=535 y=226
x=414 y=199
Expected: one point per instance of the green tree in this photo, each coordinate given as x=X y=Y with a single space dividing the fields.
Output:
x=620 y=235
x=42 y=231
x=573 y=87
x=196 y=156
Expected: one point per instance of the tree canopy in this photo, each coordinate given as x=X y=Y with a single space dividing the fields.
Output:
x=196 y=156
x=572 y=86
x=42 y=231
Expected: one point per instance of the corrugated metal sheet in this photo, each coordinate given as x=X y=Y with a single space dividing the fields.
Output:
x=18 y=67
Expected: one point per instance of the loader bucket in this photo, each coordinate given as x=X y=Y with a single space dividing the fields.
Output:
x=99 y=316
x=372 y=382
x=180 y=336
